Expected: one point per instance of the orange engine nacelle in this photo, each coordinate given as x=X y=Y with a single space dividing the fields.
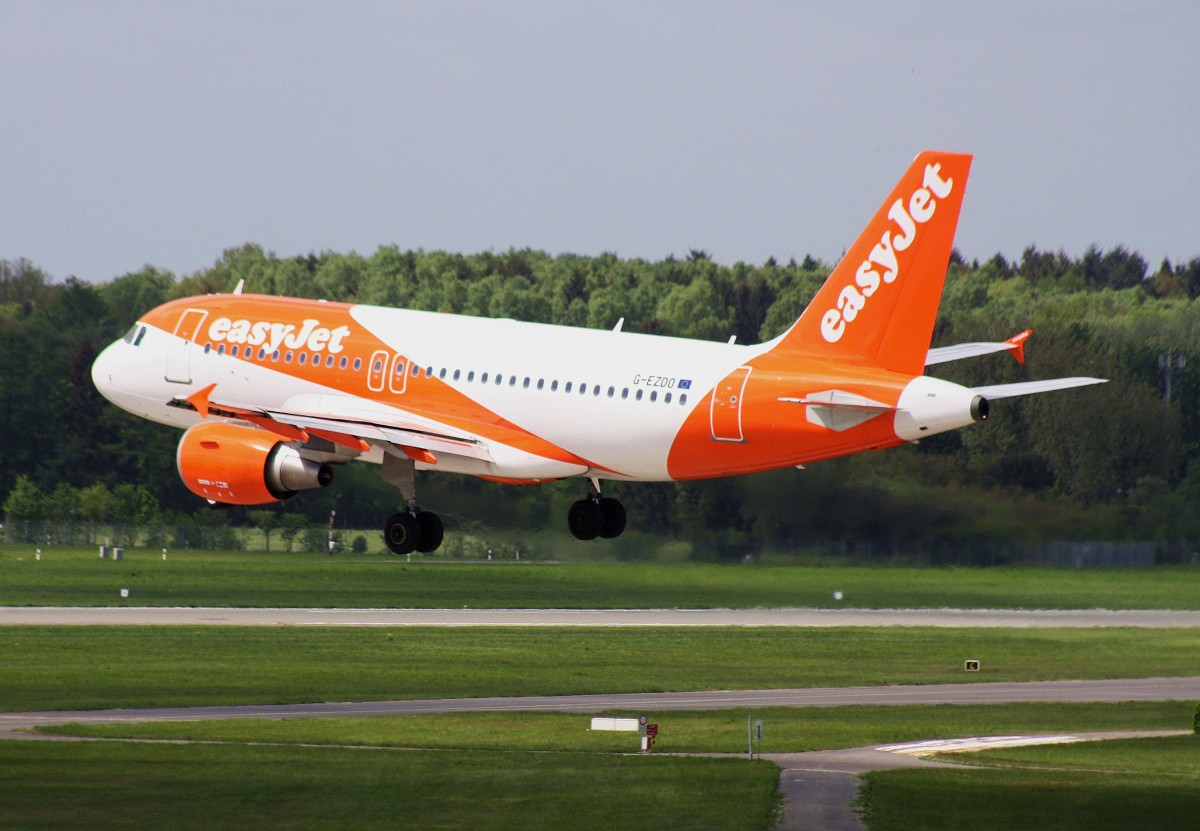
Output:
x=239 y=465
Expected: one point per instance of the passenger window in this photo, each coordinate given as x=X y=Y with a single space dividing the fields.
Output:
x=456 y=374
x=554 y=386
x=471 y=375
x=625 y=393
x=275 y=356
x=234 y=351
x=341 y=364
x=442 y=373
x=483 y=378
x=357 y=364
x=262 y=354
x=653 y=395
x=221 y=349
x=683 y=398
x=207 y=348
x=639 y=395
x=287 y=359
x=611 y=390
x=541 y=383
x=596 y=390
x=525 y=385
x=303 y=359
x=512 y=380
x=667 y=398
x=567 y=388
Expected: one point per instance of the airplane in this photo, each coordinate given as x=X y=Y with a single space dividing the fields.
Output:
x=274 y=392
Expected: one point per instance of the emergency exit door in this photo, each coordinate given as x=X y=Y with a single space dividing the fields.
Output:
x=725 y=412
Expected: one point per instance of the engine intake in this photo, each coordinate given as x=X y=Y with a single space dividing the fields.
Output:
x=240 y=465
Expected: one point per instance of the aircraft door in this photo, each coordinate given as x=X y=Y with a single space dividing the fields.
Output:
x=178 y=368
x=725 y=412
x=377 y=371
x=398 y=379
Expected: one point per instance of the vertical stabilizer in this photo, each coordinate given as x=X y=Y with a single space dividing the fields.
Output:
x=879 y=304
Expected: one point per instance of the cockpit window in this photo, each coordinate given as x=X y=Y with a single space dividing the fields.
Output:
x=135 y=334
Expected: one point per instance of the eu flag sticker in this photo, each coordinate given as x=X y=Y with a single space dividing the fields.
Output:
x=685 y=384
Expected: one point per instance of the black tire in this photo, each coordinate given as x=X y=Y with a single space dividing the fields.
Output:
x=430 y=530
x=401 y=533
x=614 y=518
x=585 y=519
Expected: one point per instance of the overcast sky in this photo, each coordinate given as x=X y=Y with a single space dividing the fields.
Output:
x=164 y=133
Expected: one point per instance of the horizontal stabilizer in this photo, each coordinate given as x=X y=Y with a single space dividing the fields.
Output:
x=958 y=351
x=1031 y=387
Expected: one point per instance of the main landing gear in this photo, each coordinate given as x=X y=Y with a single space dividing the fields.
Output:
x=596 y=516
x=411 y=529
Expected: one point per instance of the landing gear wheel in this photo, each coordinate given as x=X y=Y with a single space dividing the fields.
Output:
x=429 y=526
x=614 y=518
x=585 y=519
x=401 y=533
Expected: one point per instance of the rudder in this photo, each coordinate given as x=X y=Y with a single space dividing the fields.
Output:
x=881 y=300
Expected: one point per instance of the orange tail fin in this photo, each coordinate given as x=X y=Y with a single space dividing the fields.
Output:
x=879 y=304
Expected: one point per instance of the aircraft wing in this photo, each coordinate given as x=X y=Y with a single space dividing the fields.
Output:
x=1031 y=387
x=352 y=430
x=1015 y=344
x=400 y=434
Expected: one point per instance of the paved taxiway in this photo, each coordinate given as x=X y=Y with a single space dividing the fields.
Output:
x=991 y=618
x=1132 y=689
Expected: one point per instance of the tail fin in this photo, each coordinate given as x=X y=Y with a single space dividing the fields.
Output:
x=879 y=304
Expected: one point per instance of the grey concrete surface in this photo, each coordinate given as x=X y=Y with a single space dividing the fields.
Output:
x=169 y=616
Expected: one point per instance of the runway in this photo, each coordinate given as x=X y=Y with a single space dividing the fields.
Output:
x=986 y=618
x=1133 y=689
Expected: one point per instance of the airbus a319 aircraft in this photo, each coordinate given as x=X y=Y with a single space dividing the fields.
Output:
x=273 y=392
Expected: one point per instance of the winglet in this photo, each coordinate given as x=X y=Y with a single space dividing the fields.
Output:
x=1017 y=345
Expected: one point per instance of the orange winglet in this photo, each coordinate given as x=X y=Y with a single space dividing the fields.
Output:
x=353 y=442
x=1018 y=345
x=199 y=399
x=419 y=455
x=287 y=431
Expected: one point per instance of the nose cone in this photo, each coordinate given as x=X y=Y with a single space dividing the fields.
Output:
x=104 y=370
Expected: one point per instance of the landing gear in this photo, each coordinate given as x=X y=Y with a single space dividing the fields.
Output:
x=596 y=516
x=408 y=532
x=411 y=529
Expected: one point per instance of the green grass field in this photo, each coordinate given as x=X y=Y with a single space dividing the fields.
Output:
x=121 y=786
x=528 y=770
x=78 y=577
x=1099 y=786
x=101 y=667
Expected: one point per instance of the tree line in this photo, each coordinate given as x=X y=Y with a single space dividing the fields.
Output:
x=1113 y=462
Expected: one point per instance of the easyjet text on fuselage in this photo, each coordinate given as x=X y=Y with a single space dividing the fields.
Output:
x=311 y=335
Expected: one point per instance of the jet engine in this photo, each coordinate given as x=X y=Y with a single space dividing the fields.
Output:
x=240 y=465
